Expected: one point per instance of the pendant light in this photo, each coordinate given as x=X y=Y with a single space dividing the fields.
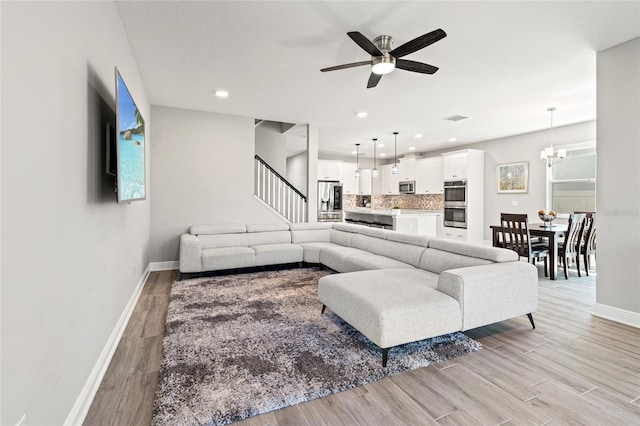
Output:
x=395 y=169
x=374 y=171
x=547 y=154
x=357 y=173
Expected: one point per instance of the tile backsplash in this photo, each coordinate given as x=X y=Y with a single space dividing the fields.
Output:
x=404 y=201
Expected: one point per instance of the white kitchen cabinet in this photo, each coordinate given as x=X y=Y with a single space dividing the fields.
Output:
x=346 y=175
x=328 y=170
x=440 y=225
x=455 y=166
x=407 y=169
x=429 y=177
x=459 y=234
x=365 y=182
x=389 y=184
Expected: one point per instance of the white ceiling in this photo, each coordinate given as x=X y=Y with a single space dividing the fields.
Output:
x=502 y=63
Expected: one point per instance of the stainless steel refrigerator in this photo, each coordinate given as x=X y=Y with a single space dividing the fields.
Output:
x=329 y=201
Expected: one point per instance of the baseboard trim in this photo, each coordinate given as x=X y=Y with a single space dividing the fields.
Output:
x=81 y=407
x=164 y=266
x=616 y=314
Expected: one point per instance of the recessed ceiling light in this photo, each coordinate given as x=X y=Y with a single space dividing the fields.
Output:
x=412 y=148
x=452 y=139
x=354 y=152
x=361 y=114
x=380 y=145
x=222 y=93
x=383 y=155
x=417 y=135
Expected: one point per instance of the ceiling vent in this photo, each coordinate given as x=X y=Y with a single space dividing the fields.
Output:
x=456 y=117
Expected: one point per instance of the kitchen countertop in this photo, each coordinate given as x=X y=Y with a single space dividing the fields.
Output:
x=389 y=212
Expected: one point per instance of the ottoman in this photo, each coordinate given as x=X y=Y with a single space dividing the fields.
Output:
x=391 y=306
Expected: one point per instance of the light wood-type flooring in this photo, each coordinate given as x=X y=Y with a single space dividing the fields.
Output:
x=574 y=368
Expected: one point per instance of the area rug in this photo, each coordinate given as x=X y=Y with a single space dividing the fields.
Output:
x=246 y=344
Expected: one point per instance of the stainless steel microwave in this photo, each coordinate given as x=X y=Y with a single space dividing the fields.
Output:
x=407 y=187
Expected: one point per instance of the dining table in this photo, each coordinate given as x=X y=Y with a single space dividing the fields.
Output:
x=552 y=232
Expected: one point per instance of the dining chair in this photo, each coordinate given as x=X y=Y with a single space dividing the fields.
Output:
x=570 y=248
x=588 y=245
x=516 y=236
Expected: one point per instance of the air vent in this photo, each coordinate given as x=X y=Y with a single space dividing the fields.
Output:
x=456 y=117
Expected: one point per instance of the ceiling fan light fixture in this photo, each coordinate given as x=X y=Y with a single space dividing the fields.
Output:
x=383 y=64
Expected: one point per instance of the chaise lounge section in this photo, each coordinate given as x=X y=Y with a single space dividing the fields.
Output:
x=394 y=288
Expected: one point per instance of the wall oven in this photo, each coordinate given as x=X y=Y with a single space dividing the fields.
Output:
x=455 y=193
x=455 y=217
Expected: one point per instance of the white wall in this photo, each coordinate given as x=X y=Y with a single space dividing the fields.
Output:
x=202 y=172
x=618 y=199
x=271 y=146
x=68 y=249
x=297 y=171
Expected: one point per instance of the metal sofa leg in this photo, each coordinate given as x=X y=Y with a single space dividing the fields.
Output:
x=181 y=274
x=385 y=356
x=323 y=308
x=531 y=319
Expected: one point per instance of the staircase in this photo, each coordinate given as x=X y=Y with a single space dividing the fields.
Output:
x=276 y=192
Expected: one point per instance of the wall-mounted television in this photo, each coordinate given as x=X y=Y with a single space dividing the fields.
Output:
x=130 y=146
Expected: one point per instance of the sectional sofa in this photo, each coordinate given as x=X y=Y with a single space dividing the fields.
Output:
x=394 y=288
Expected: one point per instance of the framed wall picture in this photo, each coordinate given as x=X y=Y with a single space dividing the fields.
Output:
x=513 y=178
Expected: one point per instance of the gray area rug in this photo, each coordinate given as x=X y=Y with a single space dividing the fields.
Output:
x=241 y=345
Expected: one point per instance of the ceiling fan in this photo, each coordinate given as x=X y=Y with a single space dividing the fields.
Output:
x=384 y=60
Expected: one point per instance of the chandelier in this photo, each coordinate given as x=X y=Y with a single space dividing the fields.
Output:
x=548 y=154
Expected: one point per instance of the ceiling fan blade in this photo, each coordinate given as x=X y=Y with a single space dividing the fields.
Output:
x=374 y=79
x=414 y=66
x=365 y=43
x=418 y=43
x=351 y=65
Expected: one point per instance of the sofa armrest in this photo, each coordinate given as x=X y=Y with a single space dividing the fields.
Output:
x=492 y=293
x=190 y=251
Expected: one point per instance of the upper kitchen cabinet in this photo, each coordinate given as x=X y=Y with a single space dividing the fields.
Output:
x=407 y=169
x=389 y=181
x=365 y=182
x=328 y=170
x=455 y=165
x=429 y=176
x=346 y=175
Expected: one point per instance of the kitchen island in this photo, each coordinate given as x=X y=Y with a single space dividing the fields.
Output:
x=408 y=221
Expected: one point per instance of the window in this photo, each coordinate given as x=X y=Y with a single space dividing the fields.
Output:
x=572 y=181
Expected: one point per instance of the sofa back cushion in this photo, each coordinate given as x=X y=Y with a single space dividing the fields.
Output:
x=437 y=261
x=310 y=232
x=341 y=237
x=261 y=238
x=494 y=254
x=267 y=227
x=224 y=228
x=416 y=240
x=406 y=253
x=223 y=240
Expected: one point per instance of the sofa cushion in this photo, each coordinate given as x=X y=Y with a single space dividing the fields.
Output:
x=391 y=306
x=312 y=250
x=406 y=253
x=209 y=241
x=275 y=254
x=304 y=226
x=346 y=227
x=308 y=234
x=334 y=257
x=276 y=237
x=416 y=240
x=437 y=261
x=373 y=232
x=342 y=238
x=224 y=228
x=369 y=261
x=493 y=254
x=216 y=259
x=267 y=227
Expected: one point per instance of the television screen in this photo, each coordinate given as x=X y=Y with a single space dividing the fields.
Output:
x=130 y=146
